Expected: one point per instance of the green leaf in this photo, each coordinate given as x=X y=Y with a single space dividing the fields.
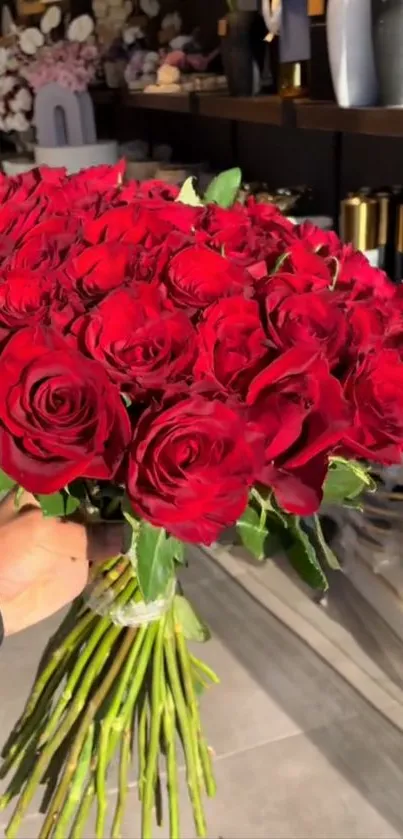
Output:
x=155 y=561
x=345 y=481
x=58 y=504
x=188 y=194
x=224 y=189
x=329 y=555
x=252 y=532
x=178 y=550
x=302 y=556
x=193 y=628
x=6 y=483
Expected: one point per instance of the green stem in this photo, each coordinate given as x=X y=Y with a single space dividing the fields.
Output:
x=202 y=752
x=91 y=710
x=190 y=695
x=106 y=726
x=82 y=814
x=57 y=658
x=126 y=588
x=186 y=732
x=204 y=668
x=76 y=787
x=123 y=784
x=97 y=663
x=206 y=762
x=100 y=781
x=172 y=769
x=155 y=729
x=142 y=743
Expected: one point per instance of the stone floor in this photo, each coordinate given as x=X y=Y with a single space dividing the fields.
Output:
x=298 y=752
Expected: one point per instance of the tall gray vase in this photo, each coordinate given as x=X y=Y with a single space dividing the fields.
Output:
x=351 y=54
x=387 y=21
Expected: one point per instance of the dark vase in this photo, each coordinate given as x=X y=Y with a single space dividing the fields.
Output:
x=387 y=21
x=237 y=53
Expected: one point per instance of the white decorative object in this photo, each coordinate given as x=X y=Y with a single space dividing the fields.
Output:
x=17 y=166
x=150 y=8
x=51 y=19
x=31 y=39
x=351 y=55
x=75 y=158
x=80 y=28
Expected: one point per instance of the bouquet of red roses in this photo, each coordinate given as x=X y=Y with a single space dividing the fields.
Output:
x=185 y=364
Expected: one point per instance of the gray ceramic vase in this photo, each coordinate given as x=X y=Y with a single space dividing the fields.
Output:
x=387 y=21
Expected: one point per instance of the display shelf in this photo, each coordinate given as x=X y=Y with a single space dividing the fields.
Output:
x=177 y=102
x=305 y=114
x=327 y=116
x=262 y=109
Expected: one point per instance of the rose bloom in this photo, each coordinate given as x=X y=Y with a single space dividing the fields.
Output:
x=233 y=346
x=61 y=418
x=301 y=413
x=191 y=464
x=198 y=276
x=142 y=342
x=374 y=388
x=308 y=320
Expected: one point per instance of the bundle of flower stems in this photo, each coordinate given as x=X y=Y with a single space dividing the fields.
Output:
x=103 y=688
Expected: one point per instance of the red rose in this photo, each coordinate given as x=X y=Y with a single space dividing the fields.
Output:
x=97 y=270
x=232 y=342
x=142 y=343
x=300 y=260
x=308 y=320
x=358 y=280
x=190 y=468
x=326 y=243
x=157 y=189
x=375 y=391
x=45 y=245
x=25 y=297
x=16 y=219
x=60 y=416
x=300 y=411
x=198 y=276
x=268 y=217
x=96 y=179
x=133 y=224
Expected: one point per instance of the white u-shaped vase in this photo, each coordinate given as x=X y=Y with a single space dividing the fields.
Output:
x=351 y=52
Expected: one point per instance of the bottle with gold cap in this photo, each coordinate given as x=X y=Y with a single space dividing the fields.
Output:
x=385 y=229
x=398 y=262
x=359 y=225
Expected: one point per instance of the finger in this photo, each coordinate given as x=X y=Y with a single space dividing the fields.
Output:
x=9 y=509
x=93 y=543
x=104 y=542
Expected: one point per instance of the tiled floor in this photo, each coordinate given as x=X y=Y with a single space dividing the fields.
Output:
x=299 y=753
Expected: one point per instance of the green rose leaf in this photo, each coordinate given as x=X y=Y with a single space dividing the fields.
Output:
x=188 y=194
x=302 y=555
x=155 y=560
x=345 y=481
x=178 y=550
x=224 y=189
x=193 y=628
x=328 y=555
x=6 y=483
x=58 y=504
x=252 y=533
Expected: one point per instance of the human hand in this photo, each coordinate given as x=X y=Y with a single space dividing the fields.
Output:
x=44 y=562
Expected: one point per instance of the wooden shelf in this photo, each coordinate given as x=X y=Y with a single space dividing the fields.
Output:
x=327 y=116
x=267 y=110
x=176 y=102
x=263 y=109
x=103 y=95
